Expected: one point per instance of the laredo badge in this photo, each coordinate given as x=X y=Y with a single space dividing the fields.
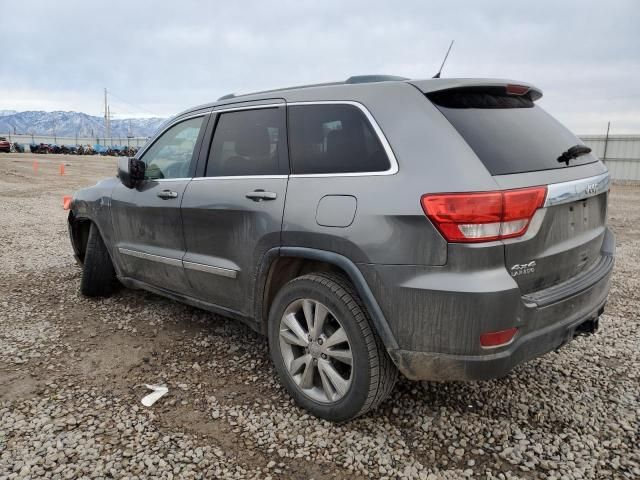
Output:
x=523 y=268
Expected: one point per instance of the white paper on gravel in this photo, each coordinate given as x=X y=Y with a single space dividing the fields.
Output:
x=159 y=391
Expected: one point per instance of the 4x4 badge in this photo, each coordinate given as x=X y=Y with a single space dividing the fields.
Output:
x=523 y=268
x=591 y=188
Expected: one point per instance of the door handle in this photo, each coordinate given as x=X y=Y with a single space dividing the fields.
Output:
x=167 y=194
x=260 y=195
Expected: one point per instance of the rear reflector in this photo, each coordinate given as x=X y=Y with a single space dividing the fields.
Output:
x=483 y=216
x=496 y=339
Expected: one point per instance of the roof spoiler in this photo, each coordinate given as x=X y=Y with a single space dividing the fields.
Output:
x=512 y=87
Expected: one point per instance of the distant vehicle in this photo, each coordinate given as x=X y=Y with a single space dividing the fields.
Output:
x=448 y=229
x=5 y=146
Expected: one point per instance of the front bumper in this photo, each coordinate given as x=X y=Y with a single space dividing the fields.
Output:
x=438 y=330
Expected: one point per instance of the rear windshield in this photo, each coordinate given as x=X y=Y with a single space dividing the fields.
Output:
x=510 y=134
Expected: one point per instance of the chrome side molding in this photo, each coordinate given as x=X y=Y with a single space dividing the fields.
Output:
x=574 y=190
x=201 y=267
x=176 y=262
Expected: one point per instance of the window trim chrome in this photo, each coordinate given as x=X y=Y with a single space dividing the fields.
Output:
x=179 y=179
x=249 y=107
x=574 y=190
x=242 y=177
x=393 y=162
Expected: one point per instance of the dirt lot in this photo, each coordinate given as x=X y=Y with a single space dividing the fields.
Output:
x=72 y=372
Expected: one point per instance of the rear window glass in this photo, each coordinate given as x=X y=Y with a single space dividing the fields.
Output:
x=333 y=139
x=510 y=134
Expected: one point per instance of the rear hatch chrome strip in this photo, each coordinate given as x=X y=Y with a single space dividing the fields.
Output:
x=574 y=190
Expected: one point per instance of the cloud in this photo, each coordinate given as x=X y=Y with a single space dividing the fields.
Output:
x=162 y=57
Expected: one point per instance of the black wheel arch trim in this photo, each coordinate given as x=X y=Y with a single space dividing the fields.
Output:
x=352 y=271
x=71 y=219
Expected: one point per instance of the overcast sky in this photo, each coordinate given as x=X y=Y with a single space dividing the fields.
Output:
x=160 y=57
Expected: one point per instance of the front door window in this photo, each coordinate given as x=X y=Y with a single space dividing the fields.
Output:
x=171 y=154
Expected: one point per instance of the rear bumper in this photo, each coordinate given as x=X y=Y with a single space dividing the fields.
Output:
x=434 y=366
x=441 y=340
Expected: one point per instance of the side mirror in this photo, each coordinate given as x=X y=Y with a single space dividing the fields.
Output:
x=130 y=171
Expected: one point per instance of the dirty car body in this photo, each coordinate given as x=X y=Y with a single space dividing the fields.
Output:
x=471 y=243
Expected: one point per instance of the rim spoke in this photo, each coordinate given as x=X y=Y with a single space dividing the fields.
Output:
x=329 y=391
x=291 y=339
x=339 y=384
x=297 y=363
x=299 y=336
x=318 y=319
x=336 y=338
x=307 y=309
x=342 y=355
x=307 y=375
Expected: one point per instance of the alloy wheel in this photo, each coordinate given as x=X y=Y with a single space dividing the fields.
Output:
x=316 y=350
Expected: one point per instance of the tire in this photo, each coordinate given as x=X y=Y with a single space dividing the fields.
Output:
x=364 y=384
x=98 y=275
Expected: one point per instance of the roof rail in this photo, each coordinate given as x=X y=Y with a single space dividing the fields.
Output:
x=351 y=80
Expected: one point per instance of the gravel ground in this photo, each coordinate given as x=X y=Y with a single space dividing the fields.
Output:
x=72 y=373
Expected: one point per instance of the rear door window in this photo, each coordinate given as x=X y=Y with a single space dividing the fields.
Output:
x=333 y=138
x=249 y=142
x=509 y=134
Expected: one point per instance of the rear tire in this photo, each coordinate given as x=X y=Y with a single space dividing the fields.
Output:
x=366 y=373
x=98 y=275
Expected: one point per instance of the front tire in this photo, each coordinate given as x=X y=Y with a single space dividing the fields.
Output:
x=98 y=275
x=325 y=351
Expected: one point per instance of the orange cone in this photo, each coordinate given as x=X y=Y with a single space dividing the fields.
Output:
x=66 y=202
x=35 y=166
x=62 y=169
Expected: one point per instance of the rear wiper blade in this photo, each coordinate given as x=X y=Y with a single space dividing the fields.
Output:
x=573 y=152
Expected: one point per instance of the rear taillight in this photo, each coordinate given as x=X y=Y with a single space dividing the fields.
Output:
x=483 y=216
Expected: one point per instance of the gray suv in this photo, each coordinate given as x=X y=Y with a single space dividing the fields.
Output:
x=448 y=229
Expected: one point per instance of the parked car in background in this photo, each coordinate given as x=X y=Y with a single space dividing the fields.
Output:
x=448 y=229
x=5 y=146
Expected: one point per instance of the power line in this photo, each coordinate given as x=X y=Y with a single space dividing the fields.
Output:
x=133 y=104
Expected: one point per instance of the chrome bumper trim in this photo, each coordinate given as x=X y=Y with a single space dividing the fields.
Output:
x=574 y=190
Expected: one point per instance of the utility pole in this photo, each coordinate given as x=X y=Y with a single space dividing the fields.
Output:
x=106 y=115
x=109 y=123
x=606 y=143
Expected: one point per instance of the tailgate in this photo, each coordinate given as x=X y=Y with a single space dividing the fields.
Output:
x=564 y=238
x=523 y=146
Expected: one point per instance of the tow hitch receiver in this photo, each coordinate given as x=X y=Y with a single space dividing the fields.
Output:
x=588 y=327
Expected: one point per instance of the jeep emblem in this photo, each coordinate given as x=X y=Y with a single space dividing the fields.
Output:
x=591 y=188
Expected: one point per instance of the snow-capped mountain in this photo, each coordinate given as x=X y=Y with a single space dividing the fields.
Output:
x=70 y=124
